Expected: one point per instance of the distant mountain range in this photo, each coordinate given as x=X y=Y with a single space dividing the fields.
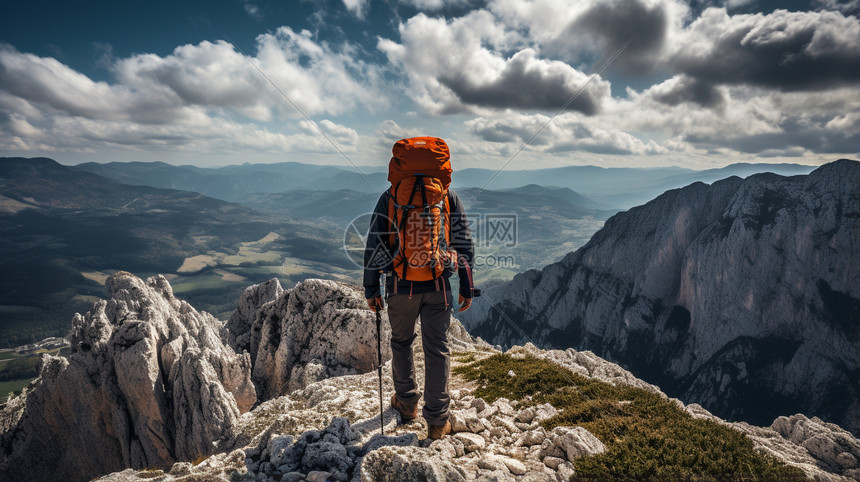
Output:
x=743 y=296
x=235 y=183
x=540 y=213
x=63 y=230
x=613 y=188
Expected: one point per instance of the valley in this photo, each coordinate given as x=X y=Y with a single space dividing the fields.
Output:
x=64 y=229
x=77 y=228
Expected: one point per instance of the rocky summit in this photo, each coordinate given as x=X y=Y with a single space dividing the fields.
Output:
x=287 y=391
x=742 y=296
x=149 y=381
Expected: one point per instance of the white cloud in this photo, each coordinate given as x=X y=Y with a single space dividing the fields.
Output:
x=459 y=65
x=201 y=97
x=433 y=5
x=781 y=50
x=777 y=85
x=577 y=31
x=357 y=7
x=388 y=132
x=566 y=133
x=848 y=7
x=253 y=11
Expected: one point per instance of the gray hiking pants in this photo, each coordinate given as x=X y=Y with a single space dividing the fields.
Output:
x=435 y=313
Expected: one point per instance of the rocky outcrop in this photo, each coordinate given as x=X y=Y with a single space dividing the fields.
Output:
x=743 y=296
x=151 y=377
x=330 y=431
x=316 y=330
x=834 y=448
x=148 y=383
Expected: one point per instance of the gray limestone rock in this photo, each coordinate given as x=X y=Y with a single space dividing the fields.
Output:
x=834 y=448
x=329 y=428
x=148 y=381
x=316 y=330
x=408 y=463
x=714 y=288
x=576 y=442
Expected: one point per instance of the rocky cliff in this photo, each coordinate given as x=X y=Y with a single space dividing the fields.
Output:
x=154 y=385
x=148 y=382
x=151 y=381
x=316 y=330
x=743 y=296
x=329 y=431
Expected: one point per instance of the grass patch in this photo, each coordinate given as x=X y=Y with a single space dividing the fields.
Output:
x=647 y=437
x=12 y=386
x=205 y=282
x=463 y=357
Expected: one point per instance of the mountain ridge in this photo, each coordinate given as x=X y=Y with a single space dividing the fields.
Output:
x=145 y=346
x=665 y=287
x=613 y=187
x=63 y=230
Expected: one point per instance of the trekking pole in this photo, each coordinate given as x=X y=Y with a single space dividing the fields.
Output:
x=379 y=365
x=379 y=348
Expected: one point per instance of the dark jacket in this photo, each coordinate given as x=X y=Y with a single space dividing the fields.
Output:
x=379 y=254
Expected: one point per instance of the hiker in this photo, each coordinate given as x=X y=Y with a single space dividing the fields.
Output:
x=419 y=235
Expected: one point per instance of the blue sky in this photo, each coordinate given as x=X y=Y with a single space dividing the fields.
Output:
x=699 y=84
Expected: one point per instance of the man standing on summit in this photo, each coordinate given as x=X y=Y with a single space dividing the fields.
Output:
x=418 y=237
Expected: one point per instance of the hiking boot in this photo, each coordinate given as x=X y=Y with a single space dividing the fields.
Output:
x=436 y=432
x=408 y=411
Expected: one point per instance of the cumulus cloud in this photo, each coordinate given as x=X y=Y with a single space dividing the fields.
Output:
x=316 y=77
x=751 y=120
x=338 y=133
x=579 y=31
x=775 y=85
x=782 y=50
x=847 y=7
x=48 y=82
x=457 y=65
x=681 y=89
x=527 y=82
x=388 y=132
x=564 y=134
x=181 y=98
x=612 y=25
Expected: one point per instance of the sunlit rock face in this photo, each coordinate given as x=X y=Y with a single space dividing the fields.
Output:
x=155 y=385
x=329 y=430
x=743 y=296
x=316 y=330
x=148 y=382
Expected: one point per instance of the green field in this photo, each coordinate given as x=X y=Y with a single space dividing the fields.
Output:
x=8 y=388
x=17 y=370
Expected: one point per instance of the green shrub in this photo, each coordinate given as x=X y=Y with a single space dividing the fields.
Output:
x=647 y=437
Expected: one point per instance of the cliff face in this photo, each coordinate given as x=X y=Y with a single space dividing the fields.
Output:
x=743 y=296
x=148 y=382
x=330 y=431
x=316 y=330
x=152 y=383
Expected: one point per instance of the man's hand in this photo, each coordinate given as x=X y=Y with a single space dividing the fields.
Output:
x=465 y=303
x=375 y=304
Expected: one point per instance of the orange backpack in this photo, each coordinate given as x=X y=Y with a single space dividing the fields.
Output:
x=420 y=173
